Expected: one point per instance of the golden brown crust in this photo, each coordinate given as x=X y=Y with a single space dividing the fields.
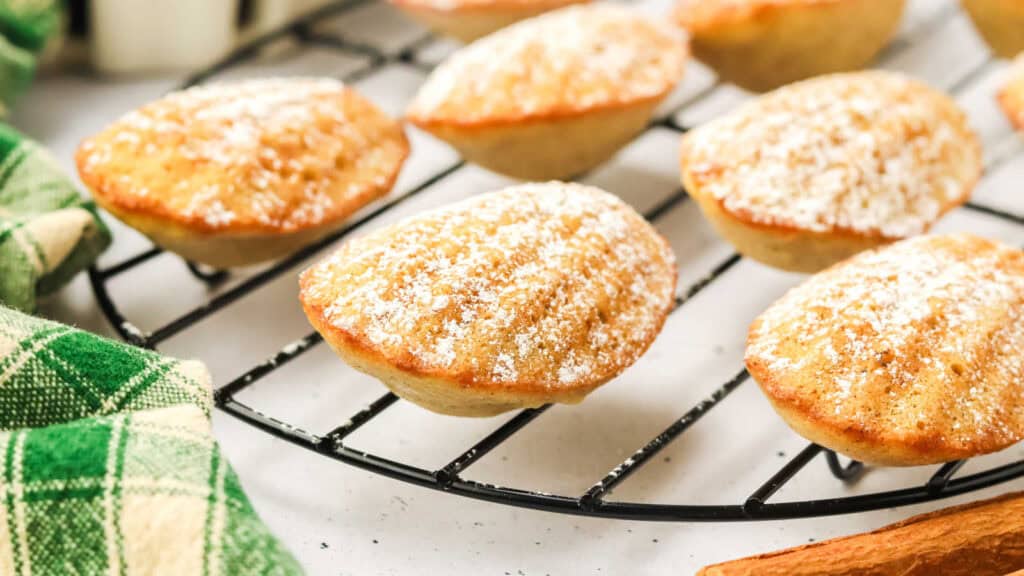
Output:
x=439 y=393
x=553 y=96
x=763 y=44
x=832 y=164
x=483 y=6
x=473 y=19
x=274 y=156
x=472 y=125
x=538 y=293
x=978 y=539
x=699 y=16
x=559 y=148
x=782 y=247
x=902 y=356
x=562 y=64
x=1000 y=23
x=1011 y=96
x=221 y=250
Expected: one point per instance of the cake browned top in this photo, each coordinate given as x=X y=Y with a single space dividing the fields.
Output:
x=872 y=153
x=538 y=286
x=258 y=155
x=565 y=62
x=1011 y=97
x=914 y=347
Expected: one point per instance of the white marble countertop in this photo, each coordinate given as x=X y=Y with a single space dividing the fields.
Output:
x=342 y=520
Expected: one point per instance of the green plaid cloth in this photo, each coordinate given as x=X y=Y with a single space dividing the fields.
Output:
x=30 y=23
x=139 y=493
x=118 y=473
x=51 y=374
x=17 y=68
x=26 y=26
x=48 y=233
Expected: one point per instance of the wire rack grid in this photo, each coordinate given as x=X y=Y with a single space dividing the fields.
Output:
x=451 y=476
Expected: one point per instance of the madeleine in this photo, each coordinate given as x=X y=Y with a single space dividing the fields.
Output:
x=467 y=20
x=817 y=171
x=534 y=294
x=241 y=173
x=555 y=95
x=1000 y=23
x=763 y=44
x=906 y=355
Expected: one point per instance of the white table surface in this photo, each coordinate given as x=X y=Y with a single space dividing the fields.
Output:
x=342 y=520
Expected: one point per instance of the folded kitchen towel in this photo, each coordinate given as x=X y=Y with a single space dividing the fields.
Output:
x=30 y=23
x=17 y=68
x=48 y=233
x=52 y=374
x=26 y=28
x=133 y=493
x=108 y=466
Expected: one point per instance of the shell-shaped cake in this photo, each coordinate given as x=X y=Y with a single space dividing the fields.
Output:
x=814 y=172
x=537 y=293
x=467 y=20
x=909 y=354
x=238 y=173
x=554 y=95
x=1000 y=23
x=1011 y=96
x=763 y=44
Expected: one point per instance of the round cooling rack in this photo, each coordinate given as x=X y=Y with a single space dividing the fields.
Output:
x=451 y=477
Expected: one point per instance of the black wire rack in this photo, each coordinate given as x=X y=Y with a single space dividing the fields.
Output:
x=451 y=477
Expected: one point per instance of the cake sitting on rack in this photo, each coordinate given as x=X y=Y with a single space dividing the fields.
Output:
x=538 y=293
x=763 y=44
x=236 y=174
x=555 y=95
x=819 y=170
x=1000 y=23
x=468 y=20
x=906 y=355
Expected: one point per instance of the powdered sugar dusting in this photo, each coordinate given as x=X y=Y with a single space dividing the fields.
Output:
x=269 y=154
x=556 y=285
x=921 y=338
x=574 y=58
x=870 y=152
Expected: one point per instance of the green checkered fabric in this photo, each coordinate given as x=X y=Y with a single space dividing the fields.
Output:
x=51 y=374
x=48 y=233
x=17 y=68
x=30 y=23
x=140 y=493
x=108 y=466
x=26 y=27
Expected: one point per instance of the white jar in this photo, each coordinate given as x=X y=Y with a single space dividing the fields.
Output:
x=132 y=36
